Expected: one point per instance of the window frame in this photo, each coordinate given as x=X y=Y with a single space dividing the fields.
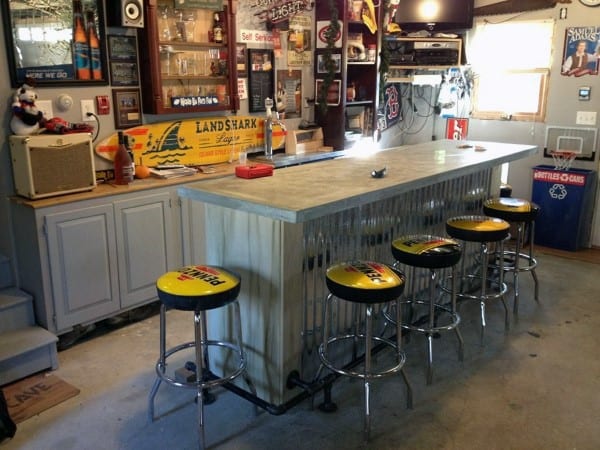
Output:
x=525 y=116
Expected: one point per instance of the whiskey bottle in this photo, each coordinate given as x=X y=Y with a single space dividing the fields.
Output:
x=122 y=163
x=217 y=29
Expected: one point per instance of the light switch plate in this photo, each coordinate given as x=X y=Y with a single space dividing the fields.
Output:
x=586 y=118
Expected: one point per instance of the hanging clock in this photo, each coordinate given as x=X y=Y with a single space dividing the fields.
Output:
x=590 y=2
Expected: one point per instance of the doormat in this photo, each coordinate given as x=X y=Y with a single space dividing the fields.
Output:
x=32 y=395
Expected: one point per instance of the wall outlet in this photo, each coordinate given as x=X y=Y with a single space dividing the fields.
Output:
x=45 y=106
x=586 y=118
x=87 y=106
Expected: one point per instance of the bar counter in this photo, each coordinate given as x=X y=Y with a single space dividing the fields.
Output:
x=281 y=232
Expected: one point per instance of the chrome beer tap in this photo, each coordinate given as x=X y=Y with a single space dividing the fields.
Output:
x=269 y=122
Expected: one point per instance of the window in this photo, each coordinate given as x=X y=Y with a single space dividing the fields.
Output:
x=511 y=63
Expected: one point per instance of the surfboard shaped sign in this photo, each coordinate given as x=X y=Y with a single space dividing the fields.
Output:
x=199 y=141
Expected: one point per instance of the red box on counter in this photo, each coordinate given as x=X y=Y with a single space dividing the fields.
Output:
x=254 y=171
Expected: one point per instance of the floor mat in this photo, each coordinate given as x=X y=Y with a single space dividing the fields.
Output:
x=32 y=395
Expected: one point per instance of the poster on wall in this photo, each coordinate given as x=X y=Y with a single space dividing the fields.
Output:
x=289 y=93
x=581 y=54
x=300 y=41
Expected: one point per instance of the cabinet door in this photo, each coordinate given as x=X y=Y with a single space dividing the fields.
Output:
x=147 y=245
x=188 y=66
x=83 y=264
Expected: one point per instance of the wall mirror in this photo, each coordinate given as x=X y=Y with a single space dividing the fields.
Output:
x=59 y=42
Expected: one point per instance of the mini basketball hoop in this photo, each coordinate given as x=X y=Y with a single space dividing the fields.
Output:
x=563 y=159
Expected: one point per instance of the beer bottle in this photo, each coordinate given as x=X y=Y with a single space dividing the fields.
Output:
x=80 y=44
x=94 y=44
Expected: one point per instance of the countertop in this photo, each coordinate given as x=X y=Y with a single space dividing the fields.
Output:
x=221 y=170
x=304 y=192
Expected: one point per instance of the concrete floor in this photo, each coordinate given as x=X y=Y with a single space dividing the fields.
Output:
x=536 y=387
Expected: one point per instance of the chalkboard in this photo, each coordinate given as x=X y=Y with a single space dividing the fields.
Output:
x=260 y=78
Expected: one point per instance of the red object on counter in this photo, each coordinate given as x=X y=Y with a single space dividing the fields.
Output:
x=254 y=171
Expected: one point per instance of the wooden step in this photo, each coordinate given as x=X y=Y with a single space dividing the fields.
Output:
x=6 y=274
x=16 y=310
x=26 y=351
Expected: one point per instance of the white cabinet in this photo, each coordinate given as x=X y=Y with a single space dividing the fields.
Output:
x=87 y=260
x=147 y=245
x=81 y=251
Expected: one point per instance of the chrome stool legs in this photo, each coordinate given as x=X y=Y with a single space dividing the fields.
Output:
x=202 y=380
x=367 y=374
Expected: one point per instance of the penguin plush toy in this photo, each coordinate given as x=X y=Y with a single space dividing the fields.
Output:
x=26 y=119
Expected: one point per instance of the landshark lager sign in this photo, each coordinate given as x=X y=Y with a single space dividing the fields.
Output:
x=199 y=141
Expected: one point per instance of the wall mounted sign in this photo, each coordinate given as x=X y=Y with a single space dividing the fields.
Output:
x=392 y=107
x=202 y=140
x=241 y=58
x=274 y=12
x=457 y=128
x=581 y=54
x=216 y=5
x=260 y=78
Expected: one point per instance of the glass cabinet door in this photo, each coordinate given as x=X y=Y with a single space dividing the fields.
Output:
x=187 y=66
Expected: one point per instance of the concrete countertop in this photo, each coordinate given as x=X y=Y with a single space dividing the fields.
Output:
x=304 y=192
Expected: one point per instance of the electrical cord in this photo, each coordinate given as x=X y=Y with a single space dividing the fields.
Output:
x=91 y=114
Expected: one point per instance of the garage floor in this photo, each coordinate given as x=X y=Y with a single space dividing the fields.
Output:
x=536 y=387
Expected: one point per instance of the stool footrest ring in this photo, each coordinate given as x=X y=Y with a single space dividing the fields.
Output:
x=355 y=374
x=498 y=293
x=532 y=262
x=454 y=318
x=160 y=368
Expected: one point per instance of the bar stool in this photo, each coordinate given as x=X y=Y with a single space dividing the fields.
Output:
x=523 y=214
x=482 y=230
x=368 y=284
x=199 y=289
x=430 y=252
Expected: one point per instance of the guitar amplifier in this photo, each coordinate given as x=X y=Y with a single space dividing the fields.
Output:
x=49 y=165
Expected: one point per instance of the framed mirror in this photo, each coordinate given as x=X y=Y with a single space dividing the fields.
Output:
x=55 y=43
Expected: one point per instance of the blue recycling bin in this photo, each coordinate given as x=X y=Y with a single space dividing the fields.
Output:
x=566 y=200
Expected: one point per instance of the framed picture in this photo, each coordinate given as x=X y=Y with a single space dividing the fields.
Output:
x=241 y=59
x=126 y=103
x=122 y=48
x=337 y=60
x=333 y=93
x=261 y=78
x=123 y=73
x=41 y=46
x=580 y=52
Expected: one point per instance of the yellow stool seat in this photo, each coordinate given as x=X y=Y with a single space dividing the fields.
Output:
x=198 y=288
x=427 y=251
x=511 y=209
x=477 y=228
x=365 y=282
